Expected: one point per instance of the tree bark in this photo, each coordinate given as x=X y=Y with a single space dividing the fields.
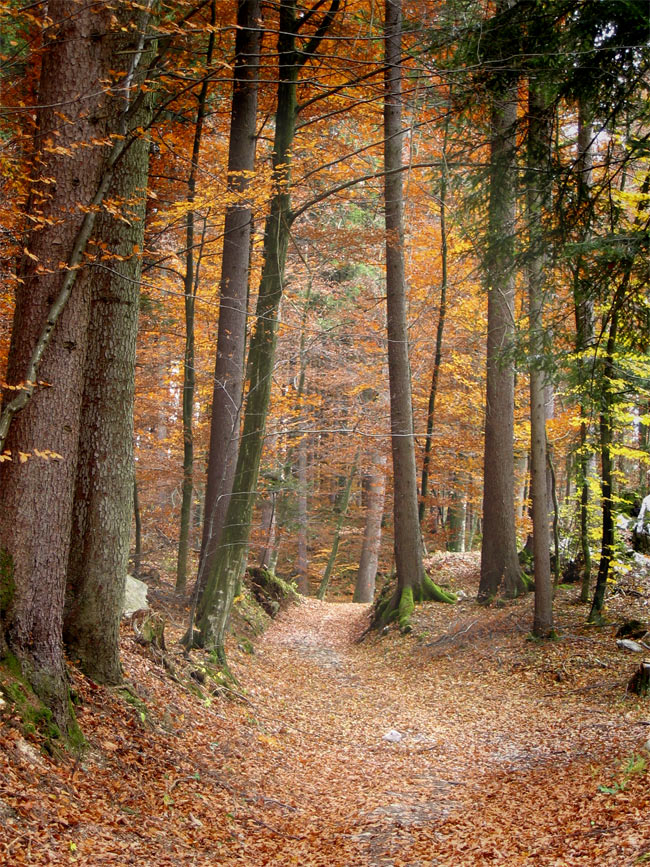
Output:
x=37 y=495
x=500 y=571
x=538 y=189
x=412 y=583
x=231 y=335
x=442 y=314
x=343 y=511
x=103 y=500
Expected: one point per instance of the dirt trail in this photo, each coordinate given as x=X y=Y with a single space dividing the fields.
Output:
x=346 y=795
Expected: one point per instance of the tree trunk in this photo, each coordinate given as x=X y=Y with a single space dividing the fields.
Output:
x=538 y=186
x=412 y=583
x=216 y=601
x=343 y=511
x=190 y=289
x=233 y=290
x=302 y=557
x=583 y=308
x=364 y=590
x=101 y=524
x=606 y=400
x=37 y=494
x=500 y=569
x=442 y=314
x=456 y=513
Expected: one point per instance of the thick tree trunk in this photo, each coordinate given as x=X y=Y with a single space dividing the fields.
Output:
x=500 y=571
x=103 y=501
x=364 y=590
x=538 y=188
x=231 y=335
x=37 y=495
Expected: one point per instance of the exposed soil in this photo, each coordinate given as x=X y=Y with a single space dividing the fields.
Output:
x=465 y=743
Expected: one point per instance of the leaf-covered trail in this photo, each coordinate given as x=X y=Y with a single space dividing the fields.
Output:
x=485 y=769
x=508 y=752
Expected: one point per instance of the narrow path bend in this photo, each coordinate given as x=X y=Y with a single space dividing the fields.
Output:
x=379 y=754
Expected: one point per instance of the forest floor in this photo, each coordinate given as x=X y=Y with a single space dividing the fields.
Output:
x=464 y=743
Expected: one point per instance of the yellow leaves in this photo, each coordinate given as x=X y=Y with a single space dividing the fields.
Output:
x=23 y=457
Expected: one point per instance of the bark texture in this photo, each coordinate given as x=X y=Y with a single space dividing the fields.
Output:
x=104 y=494
x=500 y=570
x=538 y=188
x=37 y=495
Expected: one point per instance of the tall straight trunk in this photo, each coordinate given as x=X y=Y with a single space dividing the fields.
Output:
x=364 y=590
x=412 y=583
x=584 y=319
x=442 y=313
x=605 y=423
x=233 y=289
x=101 y=523
x=37 y=494
x=215 y=603
x=190 y=289
x=500 y=571
x=538 y=190
x=343 y=511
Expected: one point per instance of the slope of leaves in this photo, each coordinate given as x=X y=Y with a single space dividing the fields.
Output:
x=501 y=750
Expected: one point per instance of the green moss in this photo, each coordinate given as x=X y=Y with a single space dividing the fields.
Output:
x=7 y=583
x=431 y=592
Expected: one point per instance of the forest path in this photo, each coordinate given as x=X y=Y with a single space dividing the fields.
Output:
x=481 y=750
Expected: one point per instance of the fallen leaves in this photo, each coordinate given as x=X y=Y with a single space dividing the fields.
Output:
x=498 y=760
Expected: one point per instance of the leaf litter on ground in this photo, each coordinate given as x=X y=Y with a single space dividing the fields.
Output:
x=510 y=751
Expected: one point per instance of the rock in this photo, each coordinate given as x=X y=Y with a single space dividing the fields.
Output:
x=393 y=736
x=135 y=596
x=627 y=644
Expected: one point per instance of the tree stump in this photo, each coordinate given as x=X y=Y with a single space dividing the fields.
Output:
x=640 y=681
